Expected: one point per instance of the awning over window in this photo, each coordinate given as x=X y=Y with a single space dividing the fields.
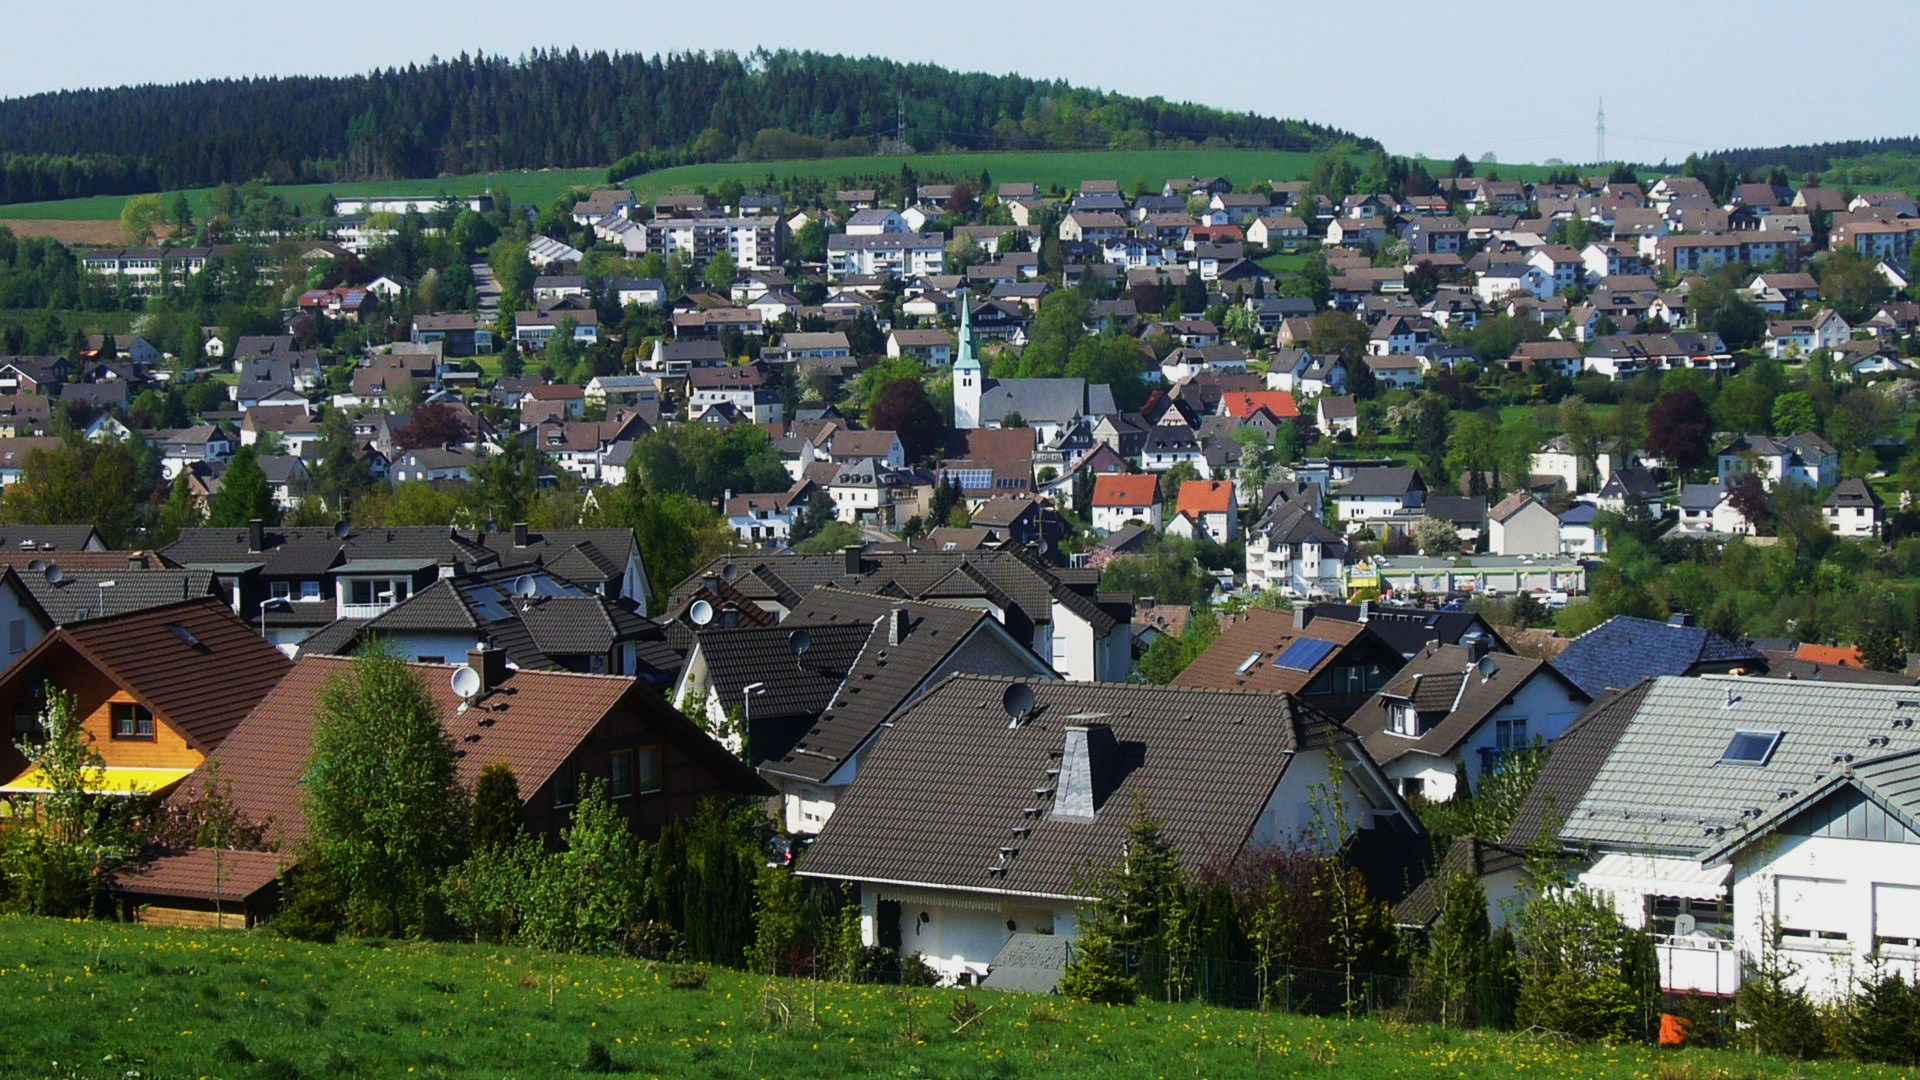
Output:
x=106 y=781
x=1652 y=875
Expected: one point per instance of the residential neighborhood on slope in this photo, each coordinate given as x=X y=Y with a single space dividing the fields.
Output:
x=955 y=524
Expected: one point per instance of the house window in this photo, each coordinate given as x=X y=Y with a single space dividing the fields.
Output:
x=620 y=773
x=17 y=637
x=310 y=590
x=646 y=772
x=282 y=590
x=1673 y=916
x=566 y=784
x=429 y=659
x=1403 y=720
x=26 y=722
x=131 y=720
x=1510 y=734
x=1807 y=909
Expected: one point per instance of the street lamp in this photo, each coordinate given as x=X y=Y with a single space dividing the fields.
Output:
x=278 y=603
x=100 y=595
x=746 y=699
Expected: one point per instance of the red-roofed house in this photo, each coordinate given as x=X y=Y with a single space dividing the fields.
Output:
x=1838 y=655
x=1122 y=497
x=1206 y=511
x=1278 y=404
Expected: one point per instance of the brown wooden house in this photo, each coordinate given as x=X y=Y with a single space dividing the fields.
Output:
x=157 y=689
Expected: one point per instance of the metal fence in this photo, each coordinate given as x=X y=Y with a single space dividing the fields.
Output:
x=1247 y=984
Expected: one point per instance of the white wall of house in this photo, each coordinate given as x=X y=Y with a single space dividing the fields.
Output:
x=1851 y=893
x=1111 y=519
x=1542 y=709
x=1533 y=530
x=20 y=628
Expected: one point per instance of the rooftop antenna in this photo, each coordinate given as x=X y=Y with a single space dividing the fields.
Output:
x=341 y=528
x=1018 y=701
x=526 y=589
x=1600 y=134
x=54 y=574
x=799 y=641
x=466 y=683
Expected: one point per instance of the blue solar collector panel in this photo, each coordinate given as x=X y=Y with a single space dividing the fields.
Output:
x=1304 y=653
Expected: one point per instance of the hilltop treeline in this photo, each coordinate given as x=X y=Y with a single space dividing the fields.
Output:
x=571 y=109
x=1810 y=157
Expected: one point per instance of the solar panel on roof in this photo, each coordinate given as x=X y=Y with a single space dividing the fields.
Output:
x=1304 y=654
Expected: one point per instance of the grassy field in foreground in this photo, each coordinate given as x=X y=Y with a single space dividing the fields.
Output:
x=1046 y=168
x=102 y=1000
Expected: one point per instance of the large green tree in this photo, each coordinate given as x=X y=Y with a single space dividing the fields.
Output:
x=386 y=816
x=244 y=493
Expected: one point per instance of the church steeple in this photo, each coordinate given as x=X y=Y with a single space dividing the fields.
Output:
x=968 y=379
x=967 y=361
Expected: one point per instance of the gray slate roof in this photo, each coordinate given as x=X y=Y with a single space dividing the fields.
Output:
x=1662 y=786
x=1623 y=650
x=1443 y=681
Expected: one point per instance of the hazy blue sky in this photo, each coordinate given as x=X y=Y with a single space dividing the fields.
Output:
x=1676 y=75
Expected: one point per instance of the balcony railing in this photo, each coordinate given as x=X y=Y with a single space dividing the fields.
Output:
x=1697 y=963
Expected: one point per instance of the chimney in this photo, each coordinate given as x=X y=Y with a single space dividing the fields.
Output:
x=519 y=534
x=256 y=535
x=491 y=665
x=1477 y=644
x=710 y=583
x=1087 y=764
x=729 y=616
x=137 y=561
x=1144 y=603
x=1302 y=615
x=1680 y=618
x=896 y=626
x=852 y=552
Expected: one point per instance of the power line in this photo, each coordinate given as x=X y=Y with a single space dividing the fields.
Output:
x=1600 y=134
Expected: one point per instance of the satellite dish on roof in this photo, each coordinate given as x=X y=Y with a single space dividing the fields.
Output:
x=1018 y=701
x=700 y=612
x=37 y=565
x=341 y=529
x=525 y=586
x=466 y=683
x=55 y=575
x=729 y=572
x=799 y=641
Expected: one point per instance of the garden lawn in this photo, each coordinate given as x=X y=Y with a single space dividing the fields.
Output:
x=105 y=1000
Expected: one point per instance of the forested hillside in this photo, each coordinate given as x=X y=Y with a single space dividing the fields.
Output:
x=1813 y=157
x=568 y=109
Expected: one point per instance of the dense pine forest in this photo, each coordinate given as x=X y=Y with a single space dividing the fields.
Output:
x=571 y=109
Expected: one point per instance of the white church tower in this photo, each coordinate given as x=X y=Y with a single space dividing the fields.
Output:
x=967 y=376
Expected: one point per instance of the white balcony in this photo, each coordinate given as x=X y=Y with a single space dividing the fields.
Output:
x=1698 y=963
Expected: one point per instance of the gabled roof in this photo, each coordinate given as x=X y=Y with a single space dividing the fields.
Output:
x=1246 y=655
x=1465 y=855
x=1205 y=497
x=1676 y=780
x=532 y=723
x=193 y=662
x=1395 y=480
x=90 y=593
x=1125 y=489
x=1444 y=683
x=1890 y=782
x=1623 y=650
x=885 y=675
x=940 y=793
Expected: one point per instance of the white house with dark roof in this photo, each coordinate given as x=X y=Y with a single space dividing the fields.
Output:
x=977 y=812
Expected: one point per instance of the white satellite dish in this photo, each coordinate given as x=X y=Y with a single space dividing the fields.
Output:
x=700 y=612
x=525 y=586
x=466 y=683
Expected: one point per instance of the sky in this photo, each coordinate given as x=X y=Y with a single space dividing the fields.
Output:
x=1675 y=76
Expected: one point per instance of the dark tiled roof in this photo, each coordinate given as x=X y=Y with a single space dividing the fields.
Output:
x=79 y=594
x=1028 y=583
x=1577 y=756
x=1445 y=680
x=884 y=676
x=1466 y=855
x=1410 y=630
x=791 y=685
x=60 y=538
x=193 y=662
x=940 y=794
x=1623 y=650
x=337 y=638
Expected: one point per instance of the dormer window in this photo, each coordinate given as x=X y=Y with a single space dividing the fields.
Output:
x=1402 y=719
